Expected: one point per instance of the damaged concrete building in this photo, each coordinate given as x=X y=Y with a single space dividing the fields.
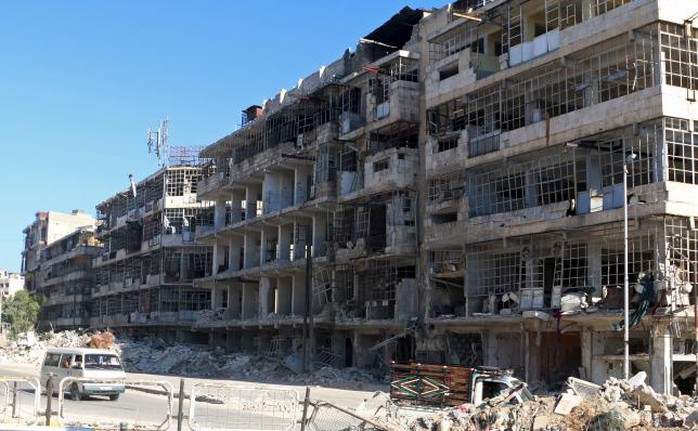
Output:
x=458 y=184
x=68 y=279
x=57 y=265
x=150 y=257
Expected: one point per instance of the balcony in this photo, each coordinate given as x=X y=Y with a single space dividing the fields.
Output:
x=207 y=187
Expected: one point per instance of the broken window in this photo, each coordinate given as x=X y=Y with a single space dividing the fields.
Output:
x=682 y=153
x=446 y=187
x=381 y=165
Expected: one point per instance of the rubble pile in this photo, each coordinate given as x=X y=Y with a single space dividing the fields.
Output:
x=30 y=349
x=490 y=416
x=614 y=406
x=154 y=355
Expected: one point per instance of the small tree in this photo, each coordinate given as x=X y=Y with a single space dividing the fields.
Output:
x=21 y=311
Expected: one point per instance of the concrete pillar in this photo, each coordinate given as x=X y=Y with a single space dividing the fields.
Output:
x=219 y=214
x=235 y=301
x=264 y=288
x=253 y=195
x=249 y=301
x=298 y=295
x=319 y=235
x=287 y=188
x=586 y=337
x=236 y=204
x=270 y=192
x=236 y=249
x=264 y=237
x=302 y=179
x=594 y=259
x=285 y=238
x=587 y=9
x=216 y=256
x=661 y=363
x=215 y=298
x=283 y=296
x=252 y=241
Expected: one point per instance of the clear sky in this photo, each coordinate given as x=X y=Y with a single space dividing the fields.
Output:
x=81 y=82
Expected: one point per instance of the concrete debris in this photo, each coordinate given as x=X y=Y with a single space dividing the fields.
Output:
x=615 y=405
x=566 y=403
x=30 y=349
x=155 y=356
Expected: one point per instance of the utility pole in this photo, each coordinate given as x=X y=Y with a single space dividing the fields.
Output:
x=307 y=315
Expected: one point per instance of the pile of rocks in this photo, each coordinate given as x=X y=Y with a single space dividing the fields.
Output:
x=614 y=406
x=29 y=348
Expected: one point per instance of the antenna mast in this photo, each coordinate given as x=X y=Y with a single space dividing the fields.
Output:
x=157 y=142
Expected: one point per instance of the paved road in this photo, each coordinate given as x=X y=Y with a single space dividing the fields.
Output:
x=136 y=407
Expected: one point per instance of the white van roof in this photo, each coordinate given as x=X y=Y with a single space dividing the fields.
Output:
x=80 y=351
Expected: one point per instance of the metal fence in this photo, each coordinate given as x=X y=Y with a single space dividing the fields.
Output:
x=153 y=411
x=155 y=406
x=19 y=400
x=231 y=407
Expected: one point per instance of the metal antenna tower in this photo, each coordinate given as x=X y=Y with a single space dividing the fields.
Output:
x=157 y=142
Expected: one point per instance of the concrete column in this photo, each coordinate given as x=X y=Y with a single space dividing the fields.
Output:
x=264 y=289
x=253 y=195
x=236 y=247
x=215 y=297
x=271 y=193
x=301 y=178
x=298 y=295
x=264 y=237
x=283 y=296
x=235 y=301
x=252 y=250
x=218 y=257
x=249 y=301
x=319 y=235
x=219 y=214
x=594 y=259
x=287 y=188
x=586 y=337
x=285 y=238
x=661 y=372
x=237 y=198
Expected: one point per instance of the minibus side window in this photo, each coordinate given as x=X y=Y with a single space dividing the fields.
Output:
x=52 y=359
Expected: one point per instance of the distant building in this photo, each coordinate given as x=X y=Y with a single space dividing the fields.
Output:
x=54 y=271
x=10 y=283
x=67 y=279
x=146 y=271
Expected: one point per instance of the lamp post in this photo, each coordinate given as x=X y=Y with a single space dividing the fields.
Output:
x=626 y=279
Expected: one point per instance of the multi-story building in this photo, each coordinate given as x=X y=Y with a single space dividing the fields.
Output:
x=326 y=170
x=144 y=274
x=461 y=182
x=537 y=114
x=10 y=283
x=67 y=279
x=48 y=227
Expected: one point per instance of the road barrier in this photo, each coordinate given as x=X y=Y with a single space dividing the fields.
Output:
x=148 y=405
x=127 y=412
x=19 y=400
x=231 y=407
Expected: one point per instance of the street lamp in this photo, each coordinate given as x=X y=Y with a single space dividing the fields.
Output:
x=626 y=280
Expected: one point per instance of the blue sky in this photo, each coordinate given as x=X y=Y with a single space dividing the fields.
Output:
x=81 y=82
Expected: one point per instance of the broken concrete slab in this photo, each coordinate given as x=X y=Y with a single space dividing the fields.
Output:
x=566 y=403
